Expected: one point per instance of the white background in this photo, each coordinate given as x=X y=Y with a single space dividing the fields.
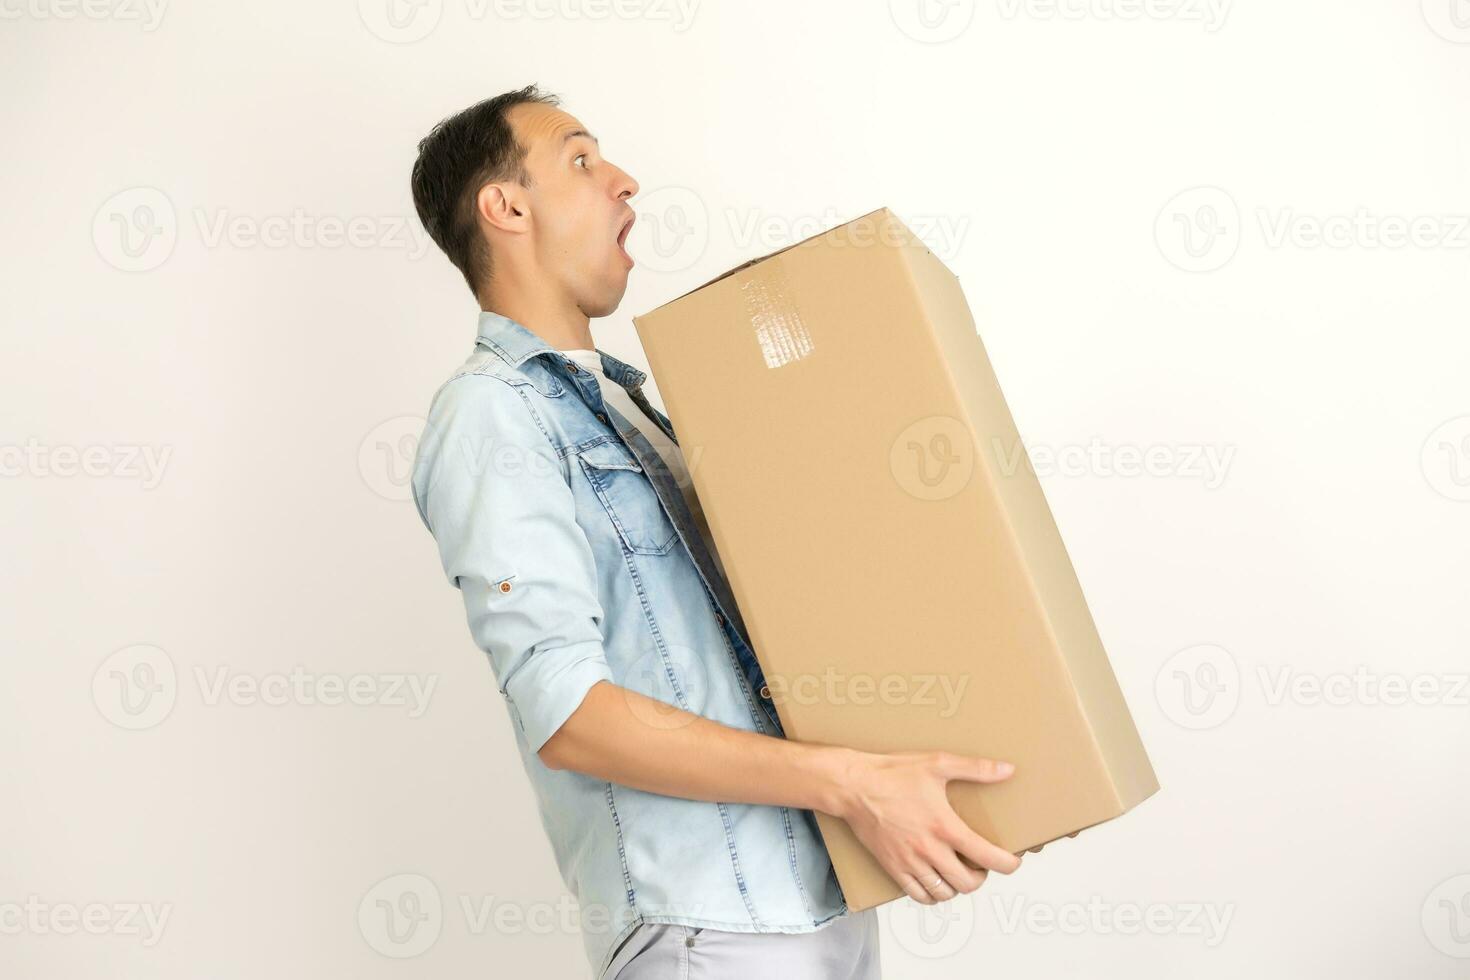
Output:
x=1234 y=232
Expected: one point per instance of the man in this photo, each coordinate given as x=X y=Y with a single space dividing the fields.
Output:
x=680 y=816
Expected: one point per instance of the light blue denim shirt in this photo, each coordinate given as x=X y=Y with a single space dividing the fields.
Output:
x=578 y=561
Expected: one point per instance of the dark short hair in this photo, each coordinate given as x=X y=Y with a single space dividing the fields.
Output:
x=460 y=155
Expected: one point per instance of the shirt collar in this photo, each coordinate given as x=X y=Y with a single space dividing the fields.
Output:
x=516 y=345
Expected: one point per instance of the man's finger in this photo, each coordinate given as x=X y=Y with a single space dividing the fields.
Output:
x=980 y=851
x=974 y=768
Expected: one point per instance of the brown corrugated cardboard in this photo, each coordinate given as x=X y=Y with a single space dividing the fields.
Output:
x=886 y=537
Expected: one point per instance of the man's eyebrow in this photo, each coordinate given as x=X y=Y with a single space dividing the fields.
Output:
x=573 y=134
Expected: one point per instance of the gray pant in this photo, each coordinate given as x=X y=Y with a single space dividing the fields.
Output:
x=846 y=948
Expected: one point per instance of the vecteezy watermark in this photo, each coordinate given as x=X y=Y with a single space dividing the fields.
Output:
x=1363 y=229
x=137 y=688
x=1208 y=464
x=403 y=915
x=37 y=917
x=674 y=229
x=1201 y=230
x=137 y=230
x=143 y=464
x=942 y=692
x=1210 y=14
x=1202 y=686
x=1445 y=459
x=932 y=21
x=755 y=229
x=1450 y=19
x=301 y=229
x=678 y=14
x=303 y=688
x=407 y=21
x=934 y=458
x=944 y=930
x=147 y=13
x=1362 y=687
x=1206 y=922
x=387 y=455
x=1445 y=917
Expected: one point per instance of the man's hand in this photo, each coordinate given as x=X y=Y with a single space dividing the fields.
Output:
x=894 y=801
x=896 y=804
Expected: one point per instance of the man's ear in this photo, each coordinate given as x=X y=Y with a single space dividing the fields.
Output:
x=503 y=206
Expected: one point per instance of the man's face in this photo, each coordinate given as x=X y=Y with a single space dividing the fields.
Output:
x=578 y=207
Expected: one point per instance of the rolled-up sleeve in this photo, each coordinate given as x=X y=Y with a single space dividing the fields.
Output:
x=490 y=489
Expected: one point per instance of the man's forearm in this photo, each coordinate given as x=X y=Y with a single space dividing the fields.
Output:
x=625 y=737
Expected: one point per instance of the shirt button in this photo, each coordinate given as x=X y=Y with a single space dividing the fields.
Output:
x=601 y=417
x=766 y=692
x=504 y=586
x=571 y=367
x=720 y=618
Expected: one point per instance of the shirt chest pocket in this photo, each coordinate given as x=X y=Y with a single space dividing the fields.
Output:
x=629 y=499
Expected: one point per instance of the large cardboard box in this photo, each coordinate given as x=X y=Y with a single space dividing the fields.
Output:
x=885 y=535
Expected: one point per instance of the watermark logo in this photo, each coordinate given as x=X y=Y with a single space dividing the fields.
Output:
x=385 y=457
x=933 y=459
x=672 y=230
x=1446 y=917
x=401 y=916
x=1201 y=229
x=400 y=21
x=1450 y=19
x=932 y=932
x=136 y=687
x=676 y=678
x=1198 y=230
x=1445 y=459
x=932 y=21
x=1199 y=687
x=135 y=230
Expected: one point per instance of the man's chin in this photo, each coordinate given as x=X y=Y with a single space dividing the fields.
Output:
x=607 y=302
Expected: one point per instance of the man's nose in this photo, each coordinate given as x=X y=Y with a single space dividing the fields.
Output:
x=625 y=186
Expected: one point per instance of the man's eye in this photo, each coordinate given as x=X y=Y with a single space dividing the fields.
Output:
x=577 y=160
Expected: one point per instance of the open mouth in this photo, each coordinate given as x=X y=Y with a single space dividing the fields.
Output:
x=623 y=237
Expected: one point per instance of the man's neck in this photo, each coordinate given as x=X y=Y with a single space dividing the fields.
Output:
x=560 y=324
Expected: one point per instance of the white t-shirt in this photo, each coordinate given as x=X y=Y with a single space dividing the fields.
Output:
x=616 y=395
